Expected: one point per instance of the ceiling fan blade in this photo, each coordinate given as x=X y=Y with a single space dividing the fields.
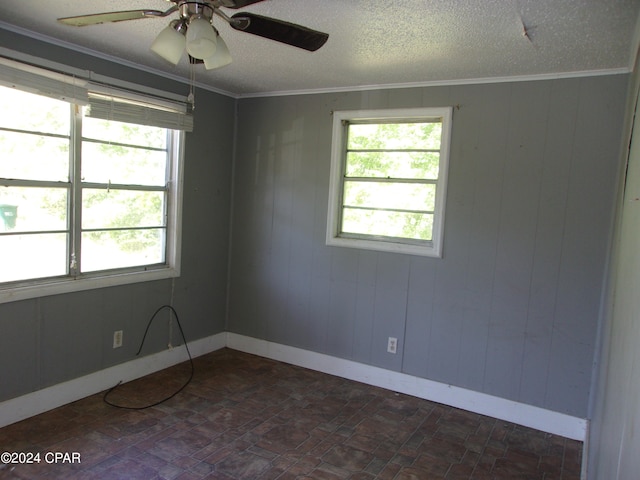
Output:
x=97 y=18
x=238 y=3
x=279 y=30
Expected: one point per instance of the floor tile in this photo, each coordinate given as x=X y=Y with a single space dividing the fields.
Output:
x=244 y=417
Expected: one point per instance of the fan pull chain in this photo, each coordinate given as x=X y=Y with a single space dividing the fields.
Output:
x=191 y=98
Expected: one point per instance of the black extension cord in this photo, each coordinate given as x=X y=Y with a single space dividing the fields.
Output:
x=108 y=392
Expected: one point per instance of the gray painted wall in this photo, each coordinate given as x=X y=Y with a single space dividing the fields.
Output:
x=512 y=308
x=613 y=442
x=53 y=339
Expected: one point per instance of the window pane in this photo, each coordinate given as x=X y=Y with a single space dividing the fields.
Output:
x=120 y=132
x=122 y=248
x=33 y=256
x=126 y=154
x=417 y=226
x=403 y=196
x=33 y=157
x=103 y=163
x=27 y=111
x=390 y=136
x=25 y=209
x=417 y=165
x=121 y=208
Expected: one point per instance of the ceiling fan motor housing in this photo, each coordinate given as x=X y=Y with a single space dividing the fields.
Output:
x=191 y=10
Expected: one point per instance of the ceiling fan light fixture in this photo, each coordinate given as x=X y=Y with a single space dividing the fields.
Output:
x=220 y=58
x=195 y=33
x=201 y=38
x=170 y=42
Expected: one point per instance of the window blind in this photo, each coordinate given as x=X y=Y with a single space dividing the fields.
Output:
x=43 y=82
x=103 y=101
x=133 y=108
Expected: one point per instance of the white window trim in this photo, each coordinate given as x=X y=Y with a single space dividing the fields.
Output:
x=41 y=287
x=333 y=237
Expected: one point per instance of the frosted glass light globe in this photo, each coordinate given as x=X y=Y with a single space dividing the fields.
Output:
x=219 y=59
x=169 y=44
x=201 y=39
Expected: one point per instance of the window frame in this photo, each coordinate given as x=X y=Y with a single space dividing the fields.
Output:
x=73 y=282
x=334 y=236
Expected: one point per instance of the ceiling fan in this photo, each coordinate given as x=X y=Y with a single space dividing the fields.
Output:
x=194 y=32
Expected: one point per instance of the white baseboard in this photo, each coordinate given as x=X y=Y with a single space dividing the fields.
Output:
x=31 y=404
x=40 y=401
x=520 y=413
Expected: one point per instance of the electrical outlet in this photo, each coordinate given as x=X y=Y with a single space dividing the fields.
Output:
x=392 y=345
x=117 y=339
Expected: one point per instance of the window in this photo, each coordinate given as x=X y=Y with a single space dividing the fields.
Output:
x=388 y=179
x=89 y=195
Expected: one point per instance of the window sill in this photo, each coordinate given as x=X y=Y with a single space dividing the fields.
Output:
x=425 y=250
x=69 y=285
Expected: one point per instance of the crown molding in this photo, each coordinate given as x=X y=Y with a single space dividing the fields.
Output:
x=343 y=89
x=443 y=83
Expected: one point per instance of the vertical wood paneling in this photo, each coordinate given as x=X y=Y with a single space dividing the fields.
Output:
x=420 y=300
x=516 y=236
x=556 y=171
x=304 y=177
x=589 y=207
x=253 y=224
x=511 y=308
x=342 y=303
x=19 y=357
x=341 y=318
x=365 y=301
x=482 y=152
x=390 y=305
x=67 y=336
x=281 y=152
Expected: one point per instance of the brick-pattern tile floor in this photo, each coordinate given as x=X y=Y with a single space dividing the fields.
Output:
x=244 y=417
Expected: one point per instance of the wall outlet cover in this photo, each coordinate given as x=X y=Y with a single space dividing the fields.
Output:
x=392 y=345
x=117 y=339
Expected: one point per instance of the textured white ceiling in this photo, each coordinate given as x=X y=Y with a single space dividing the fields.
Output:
x=371 y=42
